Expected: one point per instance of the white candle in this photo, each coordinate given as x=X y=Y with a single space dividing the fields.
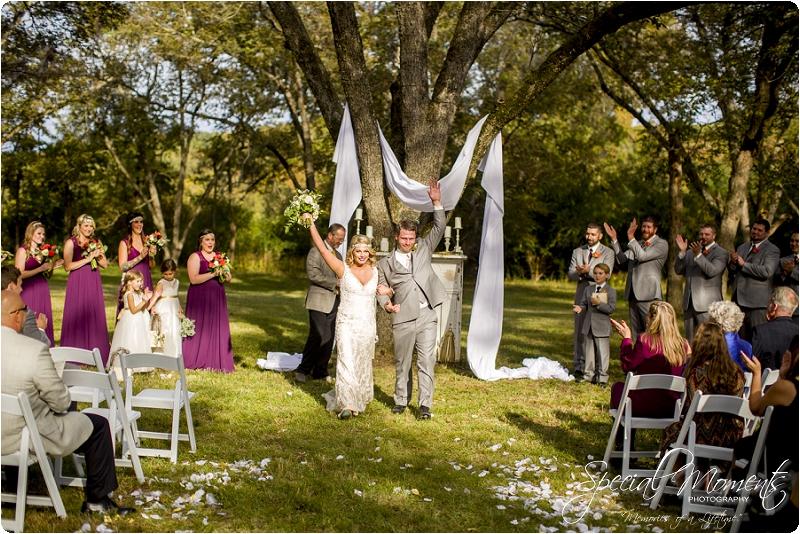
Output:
x=369 y=232
x=359 y=213
x=458 y=223
x=447 y=231
x=384 y=244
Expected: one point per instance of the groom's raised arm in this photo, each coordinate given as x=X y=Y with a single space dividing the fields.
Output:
x=435 y=235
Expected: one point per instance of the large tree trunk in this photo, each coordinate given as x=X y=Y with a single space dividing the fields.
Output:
x=675 y=172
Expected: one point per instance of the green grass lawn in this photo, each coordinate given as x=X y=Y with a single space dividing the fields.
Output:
x=275 y=460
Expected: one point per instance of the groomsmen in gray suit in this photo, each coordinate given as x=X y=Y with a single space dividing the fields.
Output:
x=416 y=292
x=703 y=263
x=643 y=260
x=27 y=367
x=753 y=266
x=581 y=266
x=322 y=303
x=787 y=274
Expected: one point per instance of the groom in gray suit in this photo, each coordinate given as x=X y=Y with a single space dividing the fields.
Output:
x=643 y=260
x=703 y=263
x=416 y=292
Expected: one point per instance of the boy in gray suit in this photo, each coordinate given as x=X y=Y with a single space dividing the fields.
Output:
x=598 y=303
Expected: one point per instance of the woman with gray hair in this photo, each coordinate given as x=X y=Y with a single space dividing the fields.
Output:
x=728 y=315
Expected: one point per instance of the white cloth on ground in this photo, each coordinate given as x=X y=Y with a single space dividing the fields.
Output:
x=280 y=361
x=538 y=368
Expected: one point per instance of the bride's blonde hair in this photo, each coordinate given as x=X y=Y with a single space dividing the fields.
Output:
x=360 y=239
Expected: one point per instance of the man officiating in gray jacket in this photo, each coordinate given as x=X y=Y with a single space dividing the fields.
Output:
x=416 y=293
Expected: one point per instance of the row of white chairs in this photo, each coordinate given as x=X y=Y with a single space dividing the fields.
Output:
x=686 y=441
x=95 y=387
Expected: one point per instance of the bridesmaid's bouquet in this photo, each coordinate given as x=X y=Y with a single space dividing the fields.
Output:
x=220 y=265
x=4 y=255
x=46 y=253
x=93 y=245
x=155 y=239
x=187 y=327
x=304 y=201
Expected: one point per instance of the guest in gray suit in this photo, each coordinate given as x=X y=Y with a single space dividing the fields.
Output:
x=703 y=263
x=598 y=303
x=787 y=274
x=753 y=266
x=416 y=292
x=584 y=259
x=322 y=303
x=27 y=367
x=11 y=279
x=643 y=260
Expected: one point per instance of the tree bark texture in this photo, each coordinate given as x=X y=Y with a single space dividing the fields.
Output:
x=674 y=280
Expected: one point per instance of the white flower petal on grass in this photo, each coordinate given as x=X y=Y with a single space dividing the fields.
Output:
x=501 y=507
x=658 y=529
x=102 y=527
x=426 y=499
x=304 y=462
x=474 y=416
x=597 y=516
x=211 y=500
x=457 y=467
x=358 y=492
x=467 y=491
x=377 y=449
x=340 y=457
x=447 y=489
x=496 y=447
x=483 y=473
x=372 y=483
x=201 y=462
x=86 y=527
x=514 y=522
x=205 y=521
x=398 y=489
x=289 y=393
x=457 y=439
x=588 y=457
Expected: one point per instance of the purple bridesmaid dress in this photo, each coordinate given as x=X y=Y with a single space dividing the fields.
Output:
x=143 y=267
x=207 y=306
x=84 y=324
x=36 y=295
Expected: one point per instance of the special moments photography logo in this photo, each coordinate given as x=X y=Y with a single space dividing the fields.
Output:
x=698 y=486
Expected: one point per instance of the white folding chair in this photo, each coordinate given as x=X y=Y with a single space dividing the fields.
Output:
x=769 y=377
x=748 y=382
x=624 y=416
x=89 y=358
x=20 y=406
x=164 y=399
x=687 y=445
x=120 y=421
x=752 y=465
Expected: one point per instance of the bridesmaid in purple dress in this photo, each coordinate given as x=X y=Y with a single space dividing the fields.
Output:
x=36 y=291
x=207 y=306
x=132 y=254
x=84 y=324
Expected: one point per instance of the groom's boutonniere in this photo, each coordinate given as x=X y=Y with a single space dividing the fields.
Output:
x=705 y=251
x=414 y=248
x=647 y=243
x=755 y=249
x=595 y=254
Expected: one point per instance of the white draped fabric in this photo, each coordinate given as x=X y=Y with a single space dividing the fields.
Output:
x=486 y=322
x=280 y=361
x=347 y=185
x=414 y=194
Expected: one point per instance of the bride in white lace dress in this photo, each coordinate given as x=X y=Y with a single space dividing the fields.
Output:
x=355 y=324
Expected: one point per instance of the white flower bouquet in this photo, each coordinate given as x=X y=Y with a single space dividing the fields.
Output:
x=304 y=201
x=187 y=327
x=155 y=239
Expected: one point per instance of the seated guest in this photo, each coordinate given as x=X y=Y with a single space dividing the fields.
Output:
x=776 y=336
x=728 y=315
x=27 y=366
x=711 y=371
x=660 y=350
x=782 y=435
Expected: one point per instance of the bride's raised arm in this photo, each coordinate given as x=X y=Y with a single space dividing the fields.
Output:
x=333 y=262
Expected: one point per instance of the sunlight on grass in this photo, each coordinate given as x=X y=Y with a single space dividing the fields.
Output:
x=395 y=473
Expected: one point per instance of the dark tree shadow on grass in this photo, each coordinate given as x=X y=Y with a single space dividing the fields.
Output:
x=570 y=434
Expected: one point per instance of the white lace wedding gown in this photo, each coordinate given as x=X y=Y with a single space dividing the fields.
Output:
x=355 y=344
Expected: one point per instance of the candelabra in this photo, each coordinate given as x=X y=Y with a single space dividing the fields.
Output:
x=457 y=248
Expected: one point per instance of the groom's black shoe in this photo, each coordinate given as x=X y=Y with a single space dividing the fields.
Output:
x=424 y=412
x=397 y=410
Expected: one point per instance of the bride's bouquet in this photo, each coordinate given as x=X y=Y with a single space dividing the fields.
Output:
x=46 y=253
x=220 y=265
x=155 y=239
x=187 y=327
x=304 y=201
x=93 y=245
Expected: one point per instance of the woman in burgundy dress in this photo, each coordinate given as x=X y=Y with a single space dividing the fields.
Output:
x=133 y=255
x=207 y=306
x=35 y=270
x=84 y=324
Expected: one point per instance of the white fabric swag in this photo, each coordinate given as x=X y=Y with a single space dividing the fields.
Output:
x=347 y=184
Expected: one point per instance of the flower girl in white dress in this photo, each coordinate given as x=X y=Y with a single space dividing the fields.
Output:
x=167 y=306
x=133 y=329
